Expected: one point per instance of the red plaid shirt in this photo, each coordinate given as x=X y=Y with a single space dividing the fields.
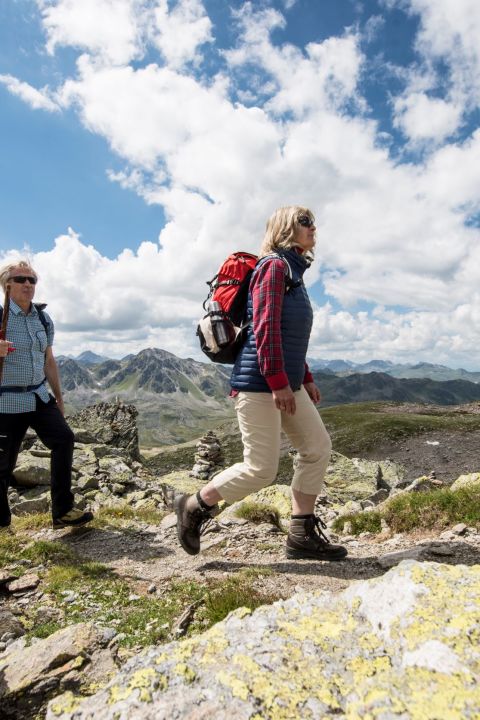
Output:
x=268 y=289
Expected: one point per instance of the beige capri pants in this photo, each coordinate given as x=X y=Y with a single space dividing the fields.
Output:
x=261 y=424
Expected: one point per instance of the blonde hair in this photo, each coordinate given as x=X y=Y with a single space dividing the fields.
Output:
x=7 y=269
x=282 y=227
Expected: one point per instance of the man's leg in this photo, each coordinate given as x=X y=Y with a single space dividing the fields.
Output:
x=53 y=430
x=13 y=427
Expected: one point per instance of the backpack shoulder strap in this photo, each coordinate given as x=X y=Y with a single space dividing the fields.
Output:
x=41 y=315
x=290 y=283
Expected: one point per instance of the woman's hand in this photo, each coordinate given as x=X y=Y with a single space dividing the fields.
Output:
x=313 y=392
x=5 y=348
x=285 y=400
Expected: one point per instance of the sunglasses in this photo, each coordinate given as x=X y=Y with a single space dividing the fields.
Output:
x=23 y=279
x=305 y=221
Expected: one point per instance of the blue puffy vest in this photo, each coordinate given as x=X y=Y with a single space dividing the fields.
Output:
x=296 y=325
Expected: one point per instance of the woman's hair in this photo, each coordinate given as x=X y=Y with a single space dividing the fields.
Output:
x=281 y=228
x=7 y=269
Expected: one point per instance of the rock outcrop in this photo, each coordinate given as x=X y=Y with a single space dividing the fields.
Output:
x=78 y=656
x=403 y=645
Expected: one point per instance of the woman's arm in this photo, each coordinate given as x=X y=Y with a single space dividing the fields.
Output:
x=268 y=289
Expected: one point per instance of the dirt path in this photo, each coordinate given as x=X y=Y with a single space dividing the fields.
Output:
x=152 y=556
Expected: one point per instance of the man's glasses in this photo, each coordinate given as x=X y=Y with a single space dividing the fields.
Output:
x=305 y=221
x=23 y=279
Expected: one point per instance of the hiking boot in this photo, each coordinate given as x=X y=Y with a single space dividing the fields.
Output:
x=73 y=518
x=307 y=540
x=191 y=521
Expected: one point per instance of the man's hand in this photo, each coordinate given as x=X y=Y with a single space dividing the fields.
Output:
x=313 y=392
x=5 y=348
x=61 y=406
x=285 y=400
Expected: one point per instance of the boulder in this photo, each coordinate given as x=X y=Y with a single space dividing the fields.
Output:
x=9 y=625
x=383 y=648
x=355 y=479
x=36 y=500
x=32 y=470
x=468 y=480
x=29 y=676
x=112 y=424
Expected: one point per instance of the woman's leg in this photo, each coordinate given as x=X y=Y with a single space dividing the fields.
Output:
x=309 y=437
x=260 y=423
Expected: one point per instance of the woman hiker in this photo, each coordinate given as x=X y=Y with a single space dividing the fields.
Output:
x=273 y=390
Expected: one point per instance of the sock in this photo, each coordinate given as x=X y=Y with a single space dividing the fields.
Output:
x=301 y=517
x=202 y=502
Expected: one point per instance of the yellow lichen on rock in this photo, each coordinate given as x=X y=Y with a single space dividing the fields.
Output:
x=467 y=480
x=66 y=703
x=141 y=680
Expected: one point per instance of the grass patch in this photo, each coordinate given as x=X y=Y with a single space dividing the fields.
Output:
x=45 y=629
x=36 y=521
x=258 y=513
x=233 y=593
x=434 y=509
x=360 y=522
x=44 y=551
x=117 y=516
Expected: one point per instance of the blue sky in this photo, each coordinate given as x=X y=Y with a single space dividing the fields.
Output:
x=143 y=140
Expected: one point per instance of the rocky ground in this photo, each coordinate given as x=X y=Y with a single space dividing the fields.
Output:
x=153 y=557
x=143 y=550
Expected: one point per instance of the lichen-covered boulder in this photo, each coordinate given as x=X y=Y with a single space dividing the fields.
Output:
x=65 y=659
x=355 y=479
x=280 y=496
x=467 y=480
x=405 y=645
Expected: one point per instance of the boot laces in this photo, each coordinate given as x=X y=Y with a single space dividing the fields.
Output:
x=200 y=520
x=317 y=530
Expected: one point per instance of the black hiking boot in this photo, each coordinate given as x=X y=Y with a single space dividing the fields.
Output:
x=73 y=518
x=192 y=520
x=306 y=540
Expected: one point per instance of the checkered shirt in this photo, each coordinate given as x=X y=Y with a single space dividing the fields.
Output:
x=25 y=366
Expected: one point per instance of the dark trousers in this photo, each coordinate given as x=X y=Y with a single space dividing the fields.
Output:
x=52 y=429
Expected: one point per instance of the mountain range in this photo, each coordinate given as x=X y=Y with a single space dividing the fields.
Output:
x=398 y=370
x=178 y=399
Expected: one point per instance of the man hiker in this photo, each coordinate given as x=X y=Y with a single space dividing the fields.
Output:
x=27 y=364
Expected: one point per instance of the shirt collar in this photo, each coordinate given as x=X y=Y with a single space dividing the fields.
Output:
x=17 y=310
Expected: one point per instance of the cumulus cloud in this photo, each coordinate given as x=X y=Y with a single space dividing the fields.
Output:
x=391 y=234
x=445 y=85
x=111 y=29
x=424 y=118
x=181 y=31
x=37 y=99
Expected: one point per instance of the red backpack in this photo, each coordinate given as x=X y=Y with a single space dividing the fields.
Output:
x=222 y=330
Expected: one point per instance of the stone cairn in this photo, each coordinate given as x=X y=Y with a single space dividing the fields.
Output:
x=207 y=457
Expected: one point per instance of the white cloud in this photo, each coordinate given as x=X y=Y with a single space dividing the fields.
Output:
x=427 y=118
x=109 y=28
x=389 y=234
x=448 y=44
x=181 y=30
x=37 y=99
x=324 y=75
